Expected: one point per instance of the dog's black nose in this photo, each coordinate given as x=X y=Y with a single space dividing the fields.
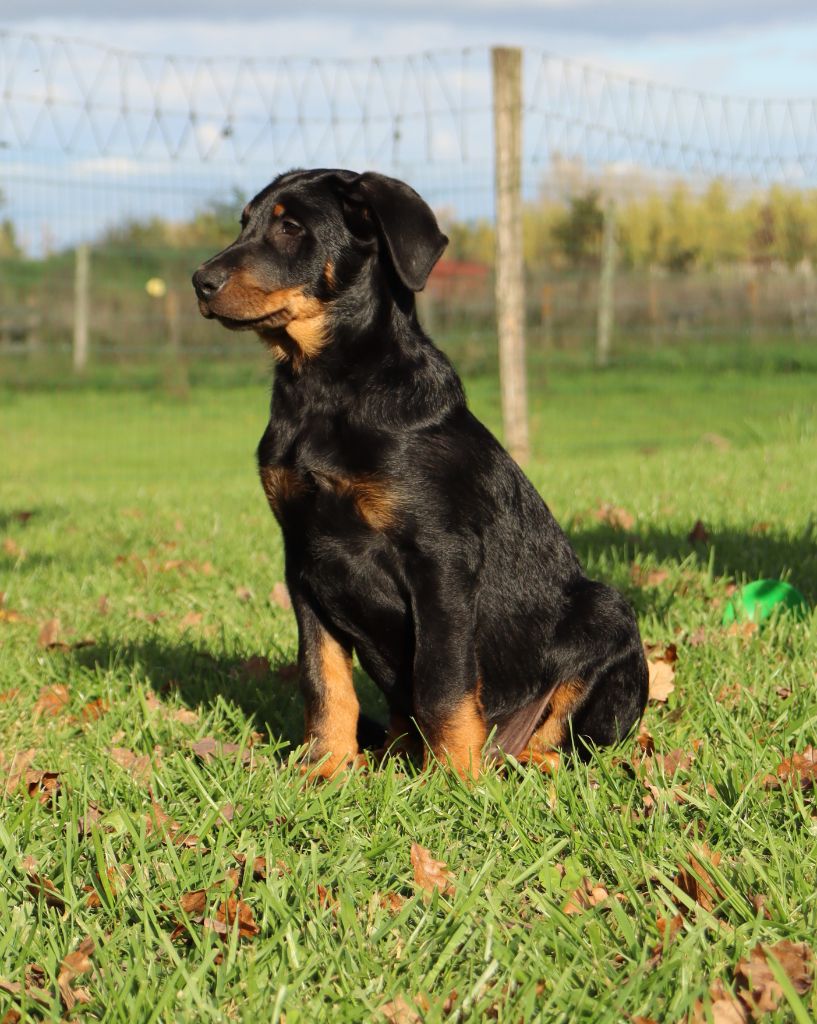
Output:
x=208 y=280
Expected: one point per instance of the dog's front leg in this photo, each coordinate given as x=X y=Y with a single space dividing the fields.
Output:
x=331 y=707
x=445 y=681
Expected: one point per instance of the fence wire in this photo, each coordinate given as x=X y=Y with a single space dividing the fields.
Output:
x=147 y=158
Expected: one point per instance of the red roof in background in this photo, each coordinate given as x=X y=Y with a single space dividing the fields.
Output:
x=460 y=268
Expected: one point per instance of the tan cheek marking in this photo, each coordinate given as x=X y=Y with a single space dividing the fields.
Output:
x=280 y=486
x=460 y=739
x=553 y=732
x=334 y=725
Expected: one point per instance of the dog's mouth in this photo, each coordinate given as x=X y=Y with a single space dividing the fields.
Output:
x=270 y=321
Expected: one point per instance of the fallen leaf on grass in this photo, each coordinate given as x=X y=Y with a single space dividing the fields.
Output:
x=259 y=865
x=209 y=748
x=613 y=515
x=43 y=786
x=11 y=547
x=742 y=630
x=584 y=897
x=76 y=963
x=9 y=695
x=162 y=824
x=190 y=620
x=244 y=594
x=49 y=633
x=327 y=899
x=40 y=886
x=94 y=709
x=34 y=993
x=662 y=671
x=7 y=615
x=783 y=692
x=398 y=1011
x=698 y=534
x=431 y=874
x=52 y=701
x=138 y=766
x=668 y=930
x=724 y=1007
x=279 y=596
x=392 y=901
x=757 y=985
x=647 y=578
x=798 y=770
x=19 y=764
x=695 y=881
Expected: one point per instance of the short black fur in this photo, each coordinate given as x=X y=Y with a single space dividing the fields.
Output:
x=412 y=538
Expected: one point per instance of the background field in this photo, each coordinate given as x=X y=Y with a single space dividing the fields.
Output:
x=132 y=515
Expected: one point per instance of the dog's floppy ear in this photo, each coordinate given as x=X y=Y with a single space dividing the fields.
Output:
x=405 y=221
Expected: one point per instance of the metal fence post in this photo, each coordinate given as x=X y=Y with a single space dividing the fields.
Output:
x=510 y=288
x=82 y=277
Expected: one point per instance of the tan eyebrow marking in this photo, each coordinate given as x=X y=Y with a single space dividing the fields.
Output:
x=277 y=210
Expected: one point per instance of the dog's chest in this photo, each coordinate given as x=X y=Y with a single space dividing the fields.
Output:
x=331 y=498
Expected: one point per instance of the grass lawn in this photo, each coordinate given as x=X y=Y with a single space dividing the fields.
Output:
x=627 y=888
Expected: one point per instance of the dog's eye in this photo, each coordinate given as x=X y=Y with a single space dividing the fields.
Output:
x=290 y=227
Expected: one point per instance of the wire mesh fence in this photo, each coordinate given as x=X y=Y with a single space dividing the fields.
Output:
x=145 y=160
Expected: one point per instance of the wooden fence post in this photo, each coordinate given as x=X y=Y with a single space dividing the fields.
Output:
x=82 y=277
x=604 y=332
x=510 y=287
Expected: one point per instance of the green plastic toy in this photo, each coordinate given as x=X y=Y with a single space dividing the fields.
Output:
x=759 y=600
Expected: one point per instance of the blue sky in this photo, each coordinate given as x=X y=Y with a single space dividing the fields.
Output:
x=749 y=48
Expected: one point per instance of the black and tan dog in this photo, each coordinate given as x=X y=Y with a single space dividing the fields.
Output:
x=411 y=536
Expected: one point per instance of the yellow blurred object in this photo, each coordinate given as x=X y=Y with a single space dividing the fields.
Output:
x=156 y=288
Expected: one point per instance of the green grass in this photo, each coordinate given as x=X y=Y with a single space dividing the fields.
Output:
x=122 y=483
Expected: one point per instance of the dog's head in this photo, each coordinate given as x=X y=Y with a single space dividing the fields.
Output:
x=303 y=241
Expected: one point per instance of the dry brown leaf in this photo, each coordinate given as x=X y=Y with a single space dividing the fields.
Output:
x=94 y=709
x=138 y=766
x=644 y=740
x=647 y=578
x=43 y=786
x=234 y=911
x=392 y=901
x=190 y=620
x=327 y=899
x=209 y=748
x=40 y=886
x=430 y=874
x=613 y=515
x=662 y=679
x=19 y=764
x=76 y=963
x=11 y=547
x=49 y=633
x=398 y=1011
x=35 y=993
x=8 y=615
x=194 y=902
x=259 y=865
x=9 y=695
x=798 y=770
x=758 y=986
x=279 y=596
x=696 y=882
x=698 y=534
x=587 y=895
x=725 y=1008
x=52 y=701
x=244 y=594
x=743 y=630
